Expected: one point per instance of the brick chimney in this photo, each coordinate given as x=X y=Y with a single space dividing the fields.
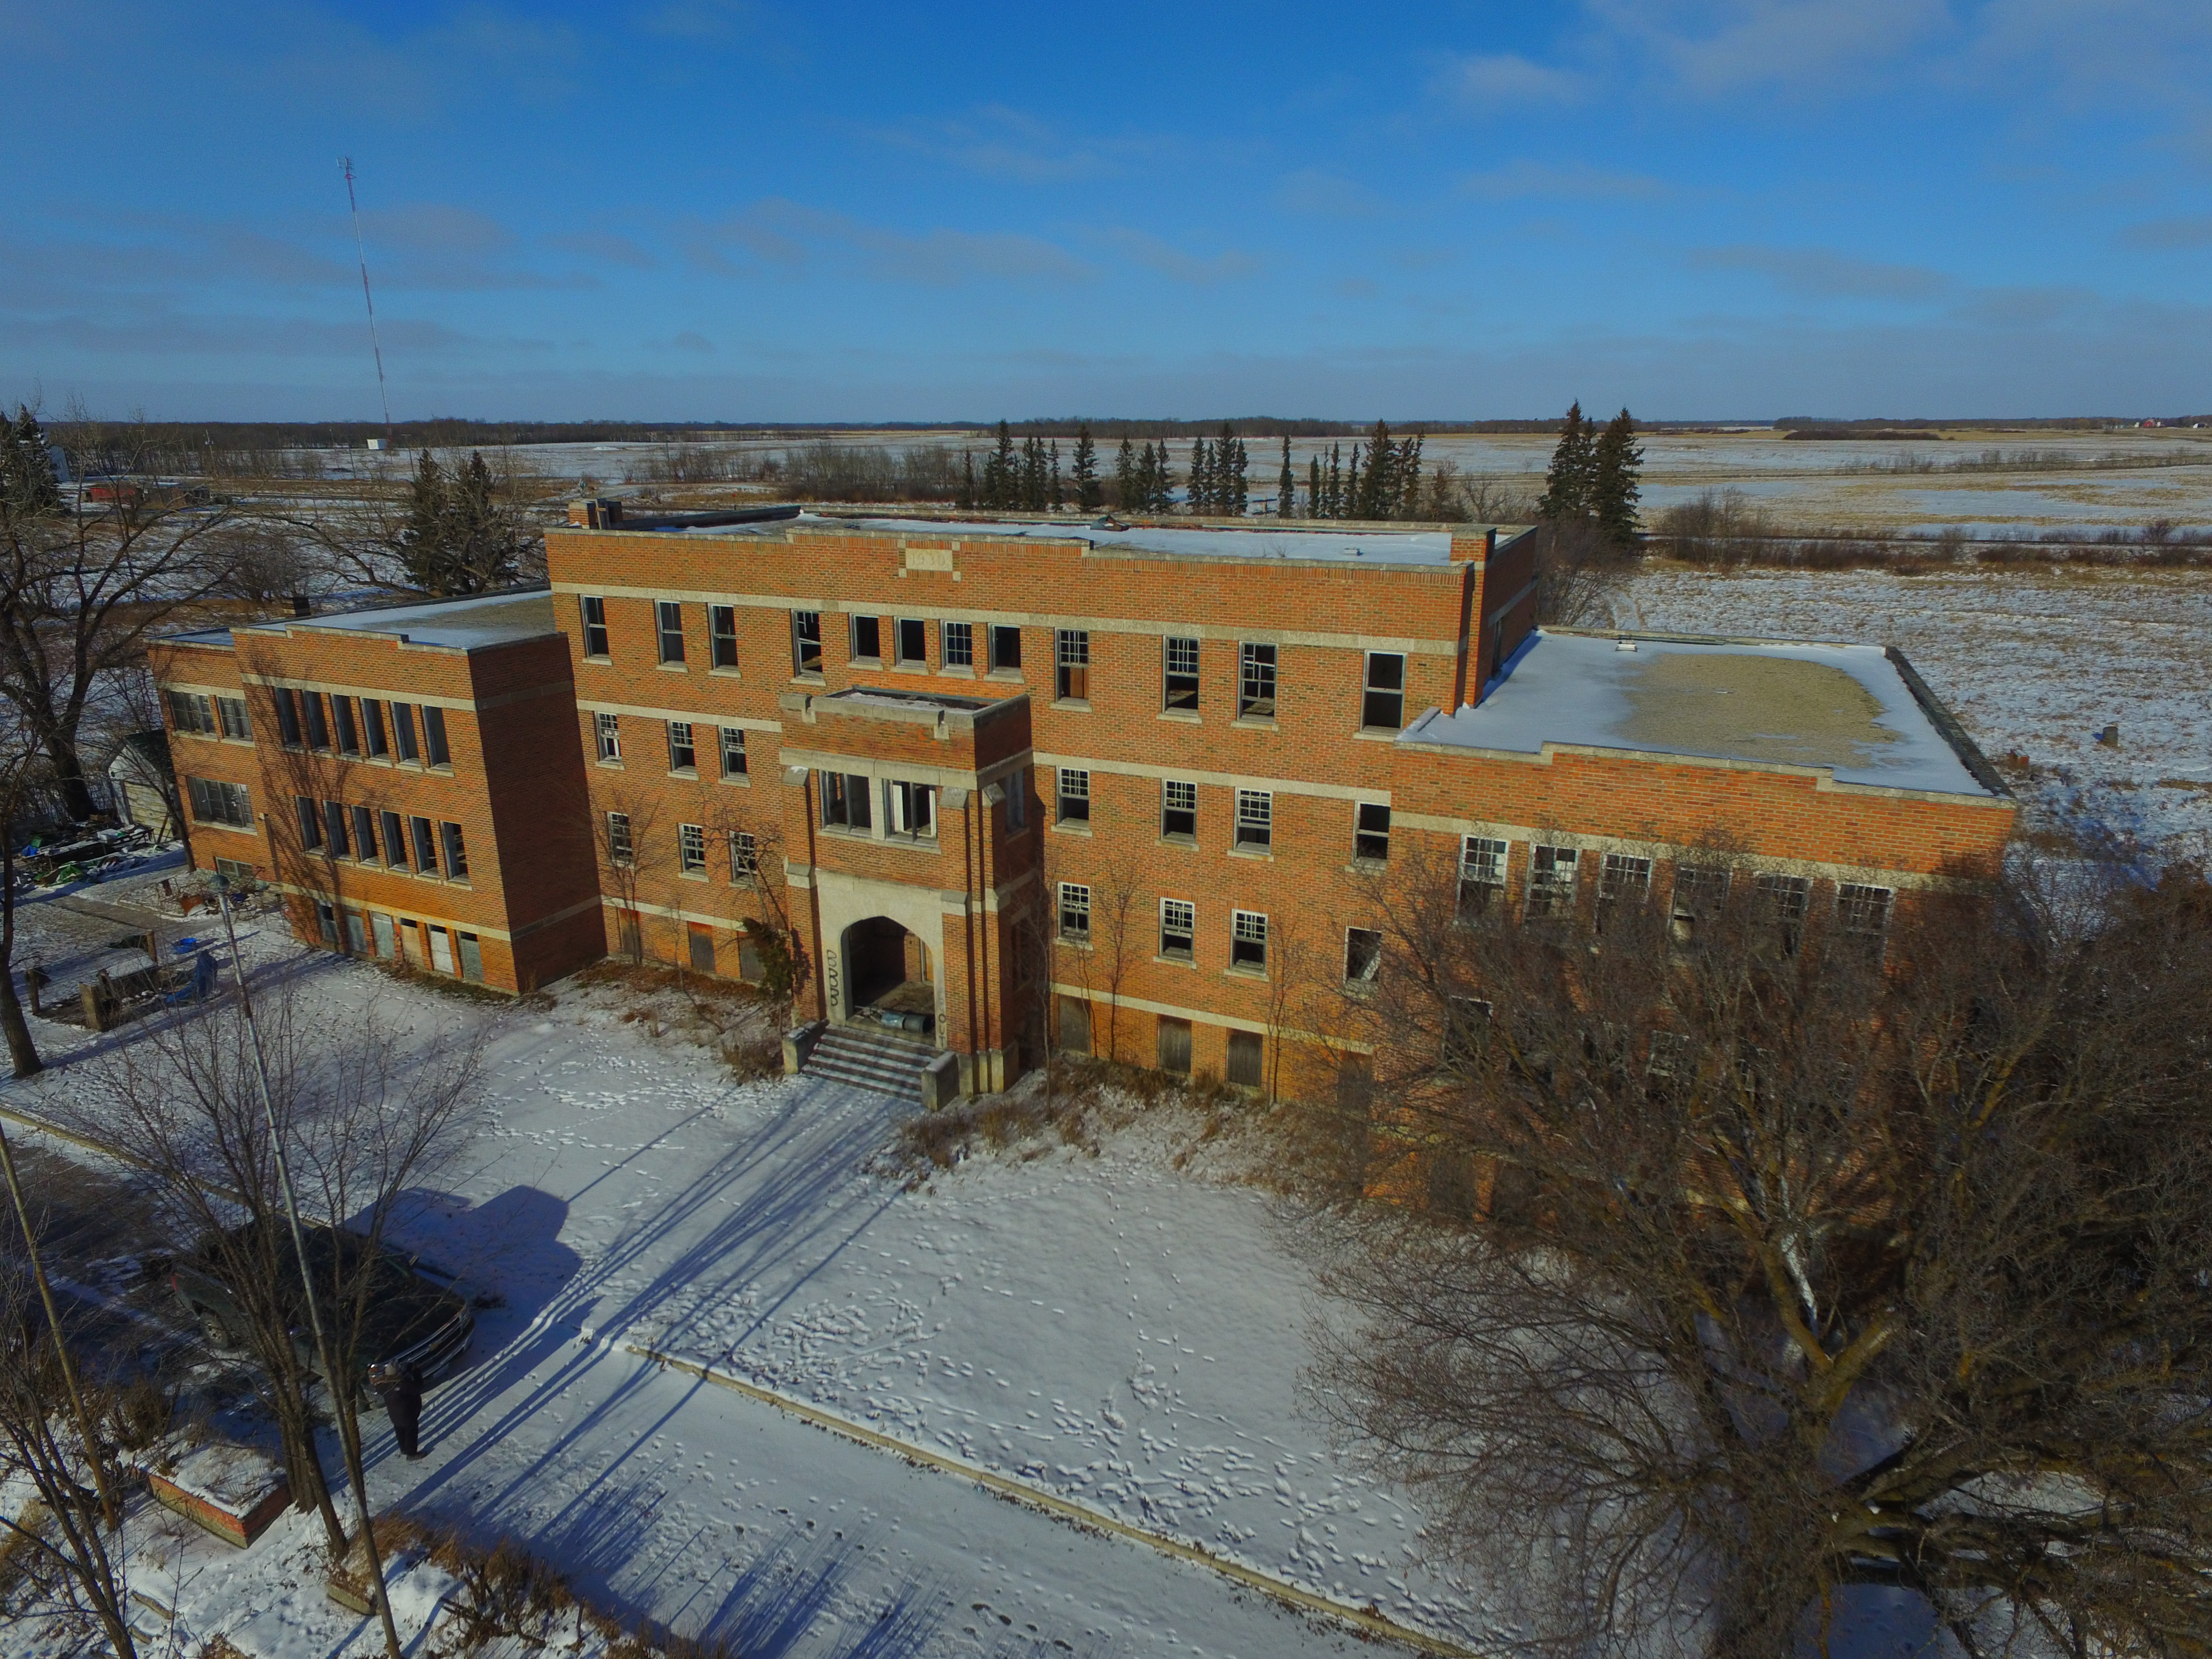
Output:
x=1464 y=549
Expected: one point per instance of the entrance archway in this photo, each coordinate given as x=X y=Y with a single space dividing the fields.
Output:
x=890 y=978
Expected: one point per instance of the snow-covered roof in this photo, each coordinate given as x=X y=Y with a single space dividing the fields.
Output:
x=1263 y=539
x=1854 y=709
x=460 y=624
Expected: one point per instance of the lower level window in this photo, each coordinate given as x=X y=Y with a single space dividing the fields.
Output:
x=733 y=752
x=1246 y=1059
x=744 y=857
x=1248 y=939
x=619 y=850
x=1782 y=902
x=1863 y=911
x=471 y=957
x=691 y=847
x=1481 y=876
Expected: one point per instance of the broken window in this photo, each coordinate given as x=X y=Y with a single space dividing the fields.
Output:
x=1074 y=796
x=683 y=754
x=733 y=752
x=1370 y=835
x=1552 y=881
x=1255 y=682
x=1621 y=879
x=457 y=852
x=722 y=635
x=1181 y=669
x=1074 y=913
x=426 y=845
x=191 y=712
x=1383 y=704
x=1178 y=929
x=220 y=803
x=595 y=625
x=1255 y=820
x=807 y=642
x=744 y=858
x=1362 y=955
x=845 y=800
x=668 y=618
x=1072 y=665
x=1781 y=903
x=691 y=848
x=1481 y=876
x=867 y=638
x=1006 y=648
x=619 y=850
x=608 y=729
x=1247 y=940
x=911 y=810
x=1179 y=811
x=1700 y=893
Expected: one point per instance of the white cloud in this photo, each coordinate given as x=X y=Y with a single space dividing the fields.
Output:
x=1824 y=274
x=1709 y=48
x=1543 y=180
x=1163 y=257
x=791 y=235
x=1510 y=78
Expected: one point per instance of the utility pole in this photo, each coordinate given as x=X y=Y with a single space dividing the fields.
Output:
x=345 y=166
x=331 y=1377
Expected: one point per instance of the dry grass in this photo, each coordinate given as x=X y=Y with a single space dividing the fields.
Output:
x=511 y=1601
x=731 y=1020
x=1088 y=1100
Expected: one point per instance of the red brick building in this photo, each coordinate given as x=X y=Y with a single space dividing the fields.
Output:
x=1131 y=786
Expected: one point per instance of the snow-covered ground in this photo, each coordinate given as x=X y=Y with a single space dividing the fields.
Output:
x=2032 y=662
x=1105 y=1327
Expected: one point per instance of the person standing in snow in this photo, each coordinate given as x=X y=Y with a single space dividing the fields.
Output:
x=400 y=1388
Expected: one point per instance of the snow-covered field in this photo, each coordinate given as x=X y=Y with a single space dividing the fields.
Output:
x=2032 y=662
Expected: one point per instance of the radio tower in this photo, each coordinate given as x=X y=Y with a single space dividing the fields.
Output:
x=345 y=166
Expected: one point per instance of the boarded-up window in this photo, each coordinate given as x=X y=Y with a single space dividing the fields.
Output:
x=1075 y=1025
x=1246 y=1059
x=441 y=949
x=702 y=947
x=472 y=958
x=1174 y=1046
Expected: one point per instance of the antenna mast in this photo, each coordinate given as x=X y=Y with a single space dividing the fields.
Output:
x=345 y=166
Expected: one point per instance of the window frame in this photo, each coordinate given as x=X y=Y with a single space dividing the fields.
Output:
x=850 y=792
x=1254 y=830
x=436 y=750
x=901 y=821
x=1169 y=810
x=424 y=836
x=1853 y=900
x=606 y=732
x=375 y=740
x=1362 y=955
x=874 y=657
x=1072 y=795
x=1005 y=648
x=318 y=721
x=1475 y=853
x=1623 y=875
x=805 y=636
x=592 y=608
x=1178 y=919
x=691 y=849
x=364 y=834
x=212 y=801
x=1259 y=680
x=722 y=636
x=1247 y=941
x=403 y=731
x=1369 y=692
x=234 y=718
x=668 y=632
x=394 y=835
x=1071 y=664
x=452 y=851
x=289 y=731
x=1371 y=845
x=683 y=749
x=310 y=816
x=919 y=627
x=731 y=741
x=1546 y=887
x=192 y=711
x=1072 y=902
x=1179 y=682
x=1782 y=902
x=346 y=738
x=744 y=858
x=955 y=644
x=621 y=849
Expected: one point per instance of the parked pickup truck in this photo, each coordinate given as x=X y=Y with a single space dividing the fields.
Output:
x=411 y=1317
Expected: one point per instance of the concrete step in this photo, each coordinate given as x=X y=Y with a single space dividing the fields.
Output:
x=882 y=1064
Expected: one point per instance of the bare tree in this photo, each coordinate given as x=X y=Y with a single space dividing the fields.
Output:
x=83 y=584
x=17 y=764
x=623 y=836
x=1781 y=1261
x=752 y=844
x=1580 y=573
x=363 y=1114
x=1119 y=928
x=76 y=1567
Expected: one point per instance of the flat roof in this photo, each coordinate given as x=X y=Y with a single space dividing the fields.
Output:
x=876 y=696
x=1856 y=709
x=459 y=624
x=1263 y=540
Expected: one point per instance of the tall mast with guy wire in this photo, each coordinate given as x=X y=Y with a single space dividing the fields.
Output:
x=345 y=166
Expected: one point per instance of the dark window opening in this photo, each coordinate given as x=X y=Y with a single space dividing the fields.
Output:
x=1255 y=682
x=1006 y=648
x=722 y=634
x=1382 y=705
x=867 y=638
x=807 y=642
x=1072 y=665
x=845 y=800
x=1371 y=835
x=913 y=642
x=595 y=627
x=1362 y=955
x=1074 y=796
x=668 y=616
x=434 y=736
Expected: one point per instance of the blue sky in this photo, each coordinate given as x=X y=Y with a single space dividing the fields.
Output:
x=691 y=210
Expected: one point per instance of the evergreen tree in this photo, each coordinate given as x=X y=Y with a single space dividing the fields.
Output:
x=1087 y=495
x=1163 y=479
x=964 y=492
x=1287 y=485
x=1567 y=484
x=1058 y=488
x=1355 y=486
x=1616 y=480
x=1128 y=480
x=1232 y=491
x=1407 y=504
x=1316 y=500
x=456 y=539
x=1336 y=482
x=1036 y=488
x=1002 y=472
x=422 y=533
x=1202 y=477
x=29 y=487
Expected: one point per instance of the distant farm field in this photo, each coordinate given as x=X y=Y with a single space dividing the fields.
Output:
x=2035 y=663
